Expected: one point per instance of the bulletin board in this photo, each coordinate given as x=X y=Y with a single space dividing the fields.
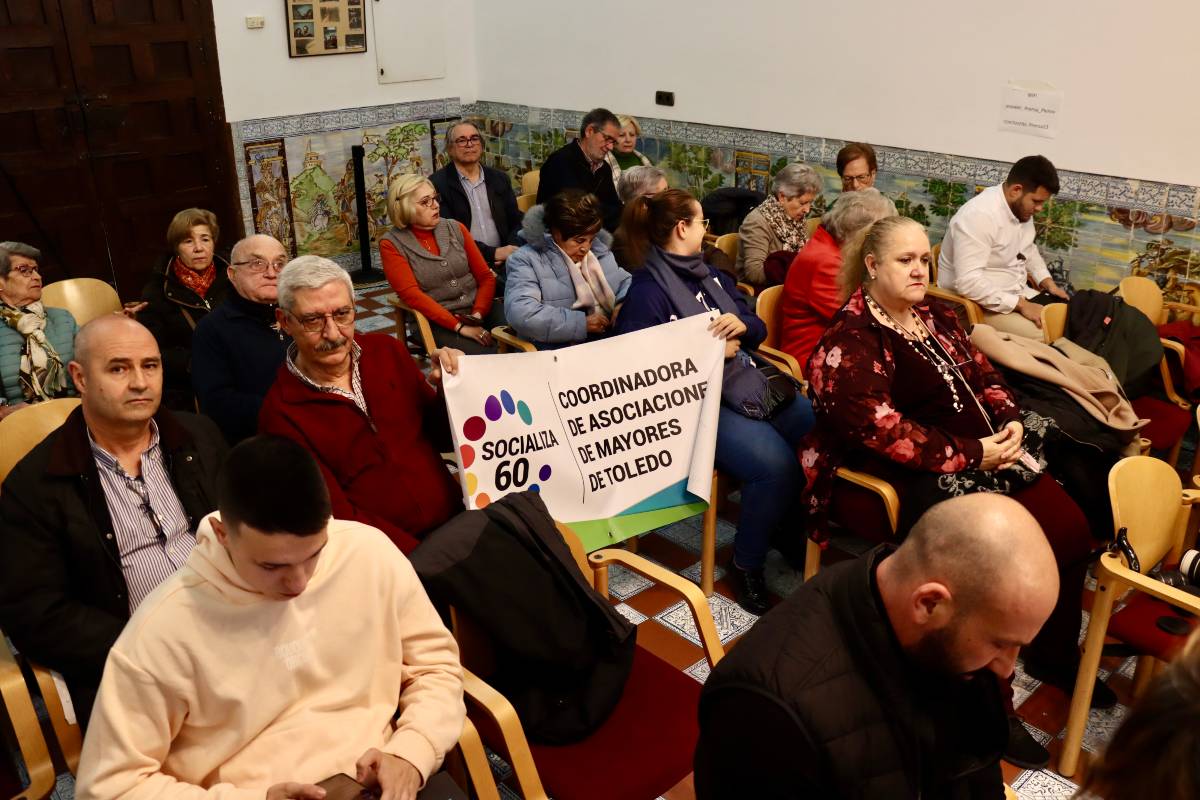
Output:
x=326 y=27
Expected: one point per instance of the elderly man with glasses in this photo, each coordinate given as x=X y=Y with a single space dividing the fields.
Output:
x=361 y=406
x=582 y=164
x=238 y=346
x=479 y=197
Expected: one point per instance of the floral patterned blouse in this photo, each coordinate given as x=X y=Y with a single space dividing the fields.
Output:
x=865 y=402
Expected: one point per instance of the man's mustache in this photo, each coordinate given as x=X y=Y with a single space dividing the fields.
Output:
x=325 y=345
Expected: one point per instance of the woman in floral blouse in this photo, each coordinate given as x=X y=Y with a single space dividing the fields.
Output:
x=900 y=392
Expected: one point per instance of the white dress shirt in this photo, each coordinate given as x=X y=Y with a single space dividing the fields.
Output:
x=988 y=253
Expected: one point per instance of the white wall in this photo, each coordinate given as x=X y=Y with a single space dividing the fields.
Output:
x=923 y=75
x=259 y=80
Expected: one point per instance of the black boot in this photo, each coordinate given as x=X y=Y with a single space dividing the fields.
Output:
x=1022 y=749
x=1064 y=679
x=751 y=588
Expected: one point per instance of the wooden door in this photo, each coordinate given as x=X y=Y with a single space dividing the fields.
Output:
x=143 y=116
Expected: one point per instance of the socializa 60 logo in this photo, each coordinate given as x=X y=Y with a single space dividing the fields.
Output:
x=503 y=455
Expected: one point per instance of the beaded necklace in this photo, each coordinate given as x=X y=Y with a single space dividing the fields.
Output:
x=920 y=343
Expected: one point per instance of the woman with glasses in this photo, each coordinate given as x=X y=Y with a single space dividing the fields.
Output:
x=777 y=225
x=436 y=268
x=36 y=343
x=564 y=286
x=759 y=427
x=857 y=166
x=191 y=280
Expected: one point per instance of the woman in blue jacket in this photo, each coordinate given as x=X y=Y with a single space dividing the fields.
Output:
x=756 y=441
x=564 y=286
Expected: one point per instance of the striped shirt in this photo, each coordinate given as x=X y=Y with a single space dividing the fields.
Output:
x=357 y=395
x=149 y=521
x=483 y=227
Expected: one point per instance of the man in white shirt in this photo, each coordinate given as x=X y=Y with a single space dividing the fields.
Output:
x=989 y=253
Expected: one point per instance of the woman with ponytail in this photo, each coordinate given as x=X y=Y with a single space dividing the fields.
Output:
x=758 y=430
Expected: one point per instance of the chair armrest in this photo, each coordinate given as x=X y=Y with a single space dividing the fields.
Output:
x=14 y=692
x=483 y=781
x=714 y=651
x=747 y=288
x=501 y=714
x=1164 y=368
x=785 y=361
x=1187 y=308
x=1111 y=563
x=886 y=492
x=504 y=334
x=970 y=307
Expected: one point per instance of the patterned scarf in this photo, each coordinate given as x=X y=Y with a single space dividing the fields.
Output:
x=789 y=231
x=591 y=287
x=198 y=282
x=42 y=374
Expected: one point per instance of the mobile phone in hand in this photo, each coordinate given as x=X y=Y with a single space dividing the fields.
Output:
x=343 y=787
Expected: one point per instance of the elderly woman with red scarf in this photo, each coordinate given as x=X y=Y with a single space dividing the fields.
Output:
x=191 y=281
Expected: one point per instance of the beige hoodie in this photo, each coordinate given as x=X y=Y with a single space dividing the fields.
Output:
x=214 y=691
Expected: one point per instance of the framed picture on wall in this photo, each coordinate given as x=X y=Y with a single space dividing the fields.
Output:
x=325 y=27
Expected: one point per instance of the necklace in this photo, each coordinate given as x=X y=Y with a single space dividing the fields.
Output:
x=921 y=346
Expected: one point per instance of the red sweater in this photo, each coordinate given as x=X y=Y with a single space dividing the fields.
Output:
x=400 y=276
x=391 y=475
x=810 y=295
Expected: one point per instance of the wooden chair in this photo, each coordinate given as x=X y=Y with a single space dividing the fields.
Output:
x=935 y=253
x=530 y=181
x=424 y=329
x=18 y=706
x=970 y=311
x=85 y=298
x=649 y=725
x=526 y=201
x=24 y=428
x=507 y=341
x=767 y=309
x=810 y=226
x=728 y=243
x=1150 y=503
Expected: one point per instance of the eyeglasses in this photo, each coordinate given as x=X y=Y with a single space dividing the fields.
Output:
x=257 y=265
x=315 y=323
x=430 y=201
x=857 y=180
x=25 y=270
x=463 y=141
x=703 y=222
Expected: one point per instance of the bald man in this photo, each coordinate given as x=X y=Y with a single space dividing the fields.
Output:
x=104 y=509
x=881 y=676
x=238 y=346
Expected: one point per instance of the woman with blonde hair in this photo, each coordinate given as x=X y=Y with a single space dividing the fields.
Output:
x=624 y=154
x=437 y=269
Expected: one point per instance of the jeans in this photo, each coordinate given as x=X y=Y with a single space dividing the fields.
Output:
x=761 y=454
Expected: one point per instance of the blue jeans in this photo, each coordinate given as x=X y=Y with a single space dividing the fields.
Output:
x=761 y=454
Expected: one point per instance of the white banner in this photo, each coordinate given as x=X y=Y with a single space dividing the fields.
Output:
x=596 y=428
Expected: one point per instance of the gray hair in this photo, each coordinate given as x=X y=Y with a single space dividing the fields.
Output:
x=853 y=211
x=461 y=122
x=10 y=249
x=796 y=180
x=637 y=181
x=309 y=272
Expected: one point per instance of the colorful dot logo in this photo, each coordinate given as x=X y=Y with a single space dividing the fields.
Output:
x=512 y=474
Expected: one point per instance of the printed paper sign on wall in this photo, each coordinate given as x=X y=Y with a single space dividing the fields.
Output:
x=597 y=428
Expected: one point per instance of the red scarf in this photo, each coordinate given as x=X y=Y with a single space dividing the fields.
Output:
x=198 y=282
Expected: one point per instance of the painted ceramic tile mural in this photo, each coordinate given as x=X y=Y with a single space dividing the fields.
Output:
x=1096 y=232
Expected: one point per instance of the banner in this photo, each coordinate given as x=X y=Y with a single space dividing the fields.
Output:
x=614 y=426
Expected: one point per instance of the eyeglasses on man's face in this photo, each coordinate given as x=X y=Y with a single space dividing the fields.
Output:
x=25 y=270
x=463 y=141
x=429 y=201
x=864 y=180
x=315 y=323
x=259 y=265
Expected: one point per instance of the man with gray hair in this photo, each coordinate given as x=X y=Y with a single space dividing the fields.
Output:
x=479 y=197
x=881 y=677
x=811 y=292
x=238 y=346
x=361 y=406
x=778 y=224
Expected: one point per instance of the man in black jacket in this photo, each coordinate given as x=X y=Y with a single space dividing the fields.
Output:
x=103 y=509
x=479 y=197
x=237 y=348
x=879 y=677
x=580 y=164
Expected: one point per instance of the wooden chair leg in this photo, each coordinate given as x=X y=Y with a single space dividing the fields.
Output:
x=812 y=559
x=1143 y=673
x=631 y=544
x=1173 y=456
x=708 y=541
x=1085 y=679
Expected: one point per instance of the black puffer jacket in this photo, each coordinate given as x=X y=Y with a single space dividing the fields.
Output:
x=63 y=597
x=818 y=701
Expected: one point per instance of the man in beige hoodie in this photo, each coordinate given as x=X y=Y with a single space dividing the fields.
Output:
x=289 y=648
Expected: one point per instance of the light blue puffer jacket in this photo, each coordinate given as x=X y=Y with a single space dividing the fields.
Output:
x=60 y=331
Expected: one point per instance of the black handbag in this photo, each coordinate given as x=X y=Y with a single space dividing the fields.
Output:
x=756 y=388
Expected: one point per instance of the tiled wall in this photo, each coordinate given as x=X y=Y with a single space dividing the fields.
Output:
x=293 y=176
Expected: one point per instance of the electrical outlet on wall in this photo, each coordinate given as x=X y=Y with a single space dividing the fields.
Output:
x=255 y=21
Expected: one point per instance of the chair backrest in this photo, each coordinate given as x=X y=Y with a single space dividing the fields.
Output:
x=85 y=298
x=810 y=226
x=1144 y=295
x=935 y=253
x=728 y=244
x=1054 y=322
x=1146 y=496
x=24 y=428
x=530 y=181
x=527 y=201
x=16 y=703
x=767 y=309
